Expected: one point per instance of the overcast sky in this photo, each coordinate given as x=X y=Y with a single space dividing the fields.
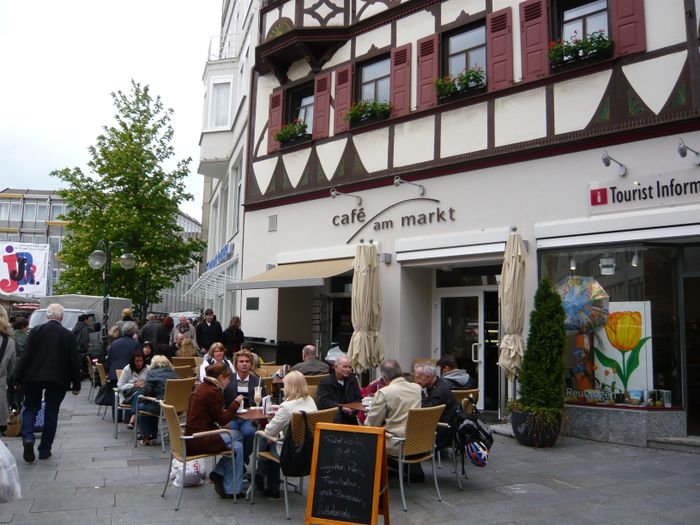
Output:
x=62 y=59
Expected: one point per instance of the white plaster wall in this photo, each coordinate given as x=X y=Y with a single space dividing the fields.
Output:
x=575 y=101
x=329 y=155
x=414 y=141
x=371 y=10
x=373 y=148
x=665 y=23
x=380 y=37
x=263 y=170
x=663 y=70
x=450 y=10
x=295 y=163
x=408 y=31
x=266 y=84
x=340 y=56
x=520 y=117
x=288 y=10
x=298 y=69
x=463 y=130
x=515 y=11
x=415 y=316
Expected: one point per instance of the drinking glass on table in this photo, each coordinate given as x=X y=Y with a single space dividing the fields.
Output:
x=258 y=396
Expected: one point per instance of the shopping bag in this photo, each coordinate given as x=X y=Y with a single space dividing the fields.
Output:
x=14 y=422
x=105 y=395
x=195 y=473
x=10 y=488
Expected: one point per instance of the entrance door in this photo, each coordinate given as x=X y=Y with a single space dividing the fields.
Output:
x=691 y=287
x=460 y=332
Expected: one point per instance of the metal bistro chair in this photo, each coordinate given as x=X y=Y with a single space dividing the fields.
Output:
x=119 y=407
x=298 y=434
x=178 y=448
x=177 y=395
x=418 y=443
x=102 y=374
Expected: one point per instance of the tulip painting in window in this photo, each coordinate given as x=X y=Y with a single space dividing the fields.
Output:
x=623 y=356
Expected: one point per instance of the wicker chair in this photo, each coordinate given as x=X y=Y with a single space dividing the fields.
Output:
x=184 y=372
x=315 y=380
x=473 y=393
x=92 y=371
x=120 y=407
x=102 y=373
x=298 y=434
x=184 y=361
x=177 y=395
x=418 y=443
x=272 y=368
x=313 y=392
x=178 y=448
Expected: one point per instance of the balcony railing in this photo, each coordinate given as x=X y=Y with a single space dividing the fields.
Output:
x=224 y=47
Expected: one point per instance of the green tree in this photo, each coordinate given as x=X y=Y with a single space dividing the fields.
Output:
x=128 y=197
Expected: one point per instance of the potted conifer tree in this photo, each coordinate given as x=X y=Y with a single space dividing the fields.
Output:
x=537 y=414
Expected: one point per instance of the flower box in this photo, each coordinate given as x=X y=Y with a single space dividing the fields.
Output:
x=367 y=112
x=291 y=131
x=470 y=92
x=300 y=139
x=468 y=83
x=577 y=52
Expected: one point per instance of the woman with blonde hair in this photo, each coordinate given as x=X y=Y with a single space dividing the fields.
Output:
x=216 y=354
x=7 y=365
x=154 y=386
x=296 y=399
x=187 y=348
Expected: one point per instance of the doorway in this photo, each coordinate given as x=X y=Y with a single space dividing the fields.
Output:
x=691 y=288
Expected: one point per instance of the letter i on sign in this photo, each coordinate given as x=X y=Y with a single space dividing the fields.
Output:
x=599 y=196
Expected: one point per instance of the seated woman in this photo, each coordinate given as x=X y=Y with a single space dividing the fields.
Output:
x=216 y=354
x=206 y=412
x=297 y=399
x=187 y=349
x=131 y=382
x=148 y=349
x=154 y=386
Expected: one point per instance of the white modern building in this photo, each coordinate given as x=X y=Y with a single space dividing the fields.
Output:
x=588 y=149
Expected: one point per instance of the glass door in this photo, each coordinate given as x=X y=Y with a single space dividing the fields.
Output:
x=460 y=328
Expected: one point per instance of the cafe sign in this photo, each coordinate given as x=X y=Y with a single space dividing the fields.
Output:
x=668 y=189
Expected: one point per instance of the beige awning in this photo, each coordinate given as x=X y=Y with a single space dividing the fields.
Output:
x=294 y=275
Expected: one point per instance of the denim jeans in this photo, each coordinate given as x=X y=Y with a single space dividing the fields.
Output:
x=225 y=467
x=246 y=428
x=53 y=394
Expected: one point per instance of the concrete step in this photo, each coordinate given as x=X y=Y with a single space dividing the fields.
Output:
x=690 y=444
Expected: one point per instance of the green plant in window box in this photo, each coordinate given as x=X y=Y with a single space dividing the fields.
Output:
x=367 y=110
x=471 y=79
x=292 y=130
x=594 y=45
x=445 y=86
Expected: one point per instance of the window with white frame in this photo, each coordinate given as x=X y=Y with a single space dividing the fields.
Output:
x=16 y=211
x=42 y=211
x=4 y=211
x=56 y=211
x=220 y=103
x=29 y=211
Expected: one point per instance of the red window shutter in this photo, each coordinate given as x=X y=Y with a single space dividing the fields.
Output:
x=274 y=121
x=534 y=39
x=628 y=32
x=343 y=97
x=428 y=62
x=322 y=105
x=400 y=80
x=499 y=49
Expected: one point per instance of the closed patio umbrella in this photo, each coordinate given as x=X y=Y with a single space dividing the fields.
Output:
x=512 y=294
x=366 y=349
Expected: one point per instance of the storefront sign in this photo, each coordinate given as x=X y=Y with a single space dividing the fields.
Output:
x=358 y=217
x=650 y=192
x=223 y=254
x=24 y=268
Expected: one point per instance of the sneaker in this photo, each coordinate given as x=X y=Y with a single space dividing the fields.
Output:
x=44 y=454
x=218 y=481
x=28 y=455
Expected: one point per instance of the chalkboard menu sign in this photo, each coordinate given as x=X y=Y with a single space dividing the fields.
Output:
x=348 y=475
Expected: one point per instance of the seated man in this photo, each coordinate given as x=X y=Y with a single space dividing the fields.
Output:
x=436 y=392
x=391 y=404
x=338 y=388
x=311 y=365
x=456 y=378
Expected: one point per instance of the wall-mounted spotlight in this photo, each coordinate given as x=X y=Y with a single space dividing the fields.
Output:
x=621 y=168
x=572 y=264
x=398 y=181
x=335 y=193
x=635 y=260
x=683 y=152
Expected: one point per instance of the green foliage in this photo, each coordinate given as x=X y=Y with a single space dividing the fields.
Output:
x=128 y=197
x=466 y=81
x=596 y=43
x=366 y=110
x=292 y=130
x=542 y=376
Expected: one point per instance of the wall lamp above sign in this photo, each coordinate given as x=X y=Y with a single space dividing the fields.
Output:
x=683 y=152
x=621 y=168
x=335 y=193
x=398 y=181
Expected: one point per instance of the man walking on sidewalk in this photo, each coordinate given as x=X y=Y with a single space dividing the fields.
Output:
x=48 y=368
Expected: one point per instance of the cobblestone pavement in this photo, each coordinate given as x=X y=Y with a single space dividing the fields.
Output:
x=93 y=479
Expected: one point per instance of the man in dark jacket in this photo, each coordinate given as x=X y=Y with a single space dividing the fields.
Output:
x=338 y=388
x=149 y=331
x=436 y=392
x=209 y=331
x=48 y=368
x=122 y=349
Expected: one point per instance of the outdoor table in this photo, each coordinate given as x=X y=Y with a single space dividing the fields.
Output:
x=253 y=414
x=357 y=405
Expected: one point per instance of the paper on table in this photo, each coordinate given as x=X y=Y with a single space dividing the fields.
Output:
x=266 y=404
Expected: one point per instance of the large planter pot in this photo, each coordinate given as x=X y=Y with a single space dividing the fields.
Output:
x=532 y=437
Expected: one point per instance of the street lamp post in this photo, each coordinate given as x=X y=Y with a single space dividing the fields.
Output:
x=102 y=256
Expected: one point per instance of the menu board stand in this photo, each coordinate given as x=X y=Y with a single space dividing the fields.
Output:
x=349 y=481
